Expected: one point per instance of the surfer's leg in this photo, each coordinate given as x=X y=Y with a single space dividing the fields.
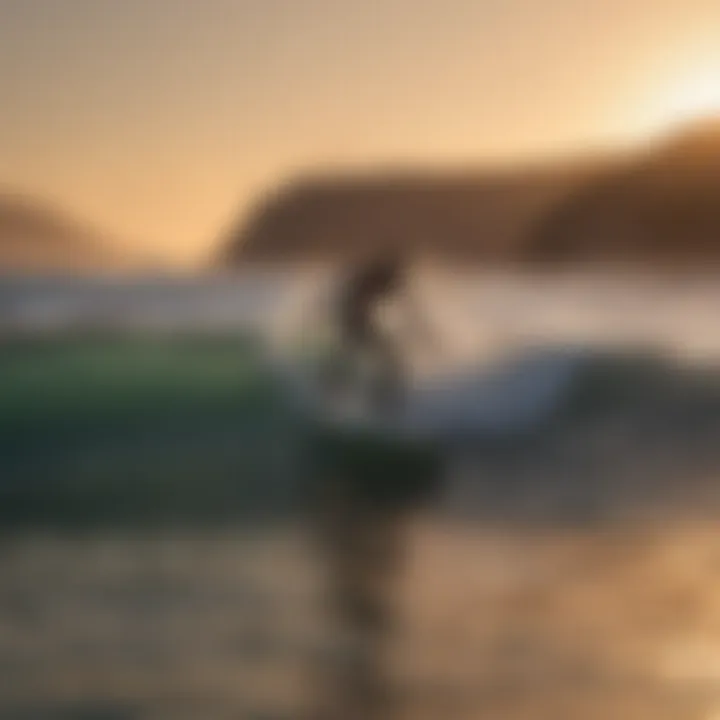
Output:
x=337 y=371
x=390 y=376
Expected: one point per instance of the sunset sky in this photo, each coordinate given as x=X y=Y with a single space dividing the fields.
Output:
x=161 y=120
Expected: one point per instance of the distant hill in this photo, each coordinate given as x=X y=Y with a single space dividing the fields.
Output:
x=35 y=237
x=663 y=207
x=483 y=216
x=656 y=205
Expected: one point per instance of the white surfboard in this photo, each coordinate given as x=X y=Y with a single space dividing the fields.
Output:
x=510 y=396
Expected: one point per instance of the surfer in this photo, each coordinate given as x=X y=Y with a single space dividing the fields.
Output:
x=362 y=338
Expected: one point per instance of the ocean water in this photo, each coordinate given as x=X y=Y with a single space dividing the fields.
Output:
x=503 y=345
x=470 y=312
x=501 y=617
x=477 y=314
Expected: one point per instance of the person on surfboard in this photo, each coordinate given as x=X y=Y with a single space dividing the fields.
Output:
x=357 y=304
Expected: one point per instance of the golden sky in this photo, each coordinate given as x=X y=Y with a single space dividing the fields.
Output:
x=160 y=120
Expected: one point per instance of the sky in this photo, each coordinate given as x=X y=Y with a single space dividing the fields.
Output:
x=163 y=121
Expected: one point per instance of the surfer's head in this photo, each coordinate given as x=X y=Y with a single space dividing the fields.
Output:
x=386 y=267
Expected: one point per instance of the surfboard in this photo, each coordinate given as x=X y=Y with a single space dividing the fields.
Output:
x=510 y=395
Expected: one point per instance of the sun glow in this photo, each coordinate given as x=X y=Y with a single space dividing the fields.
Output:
x=691 y=97
x=698 y=97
